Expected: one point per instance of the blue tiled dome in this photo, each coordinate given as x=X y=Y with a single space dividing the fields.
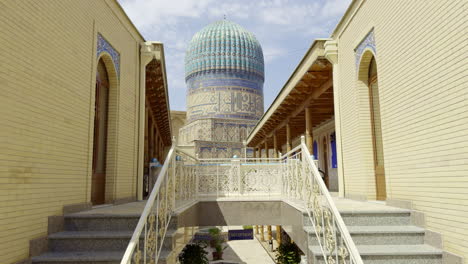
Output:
x=224 y=46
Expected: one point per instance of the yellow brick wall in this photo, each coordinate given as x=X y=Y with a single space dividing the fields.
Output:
x=422 y=69
x=47 y=74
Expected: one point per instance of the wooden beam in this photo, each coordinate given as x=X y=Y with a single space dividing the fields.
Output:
x=311 y=97
x=308 y=129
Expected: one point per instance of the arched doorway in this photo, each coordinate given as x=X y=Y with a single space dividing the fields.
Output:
x=98 y=185
x=377 y=141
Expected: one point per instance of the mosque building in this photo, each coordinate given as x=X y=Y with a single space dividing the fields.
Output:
x=224 y=72
x=371 y=124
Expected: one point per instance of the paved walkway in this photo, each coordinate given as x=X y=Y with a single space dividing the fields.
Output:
x=246 y=252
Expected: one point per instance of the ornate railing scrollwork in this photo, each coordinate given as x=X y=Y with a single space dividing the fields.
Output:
x=184 y=179
x=174 y=188
x=305 y=184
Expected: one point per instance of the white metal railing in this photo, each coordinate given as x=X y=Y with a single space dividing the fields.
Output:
x=185 y=179
x=242 y=177
x=332 y=234
x=175 y=187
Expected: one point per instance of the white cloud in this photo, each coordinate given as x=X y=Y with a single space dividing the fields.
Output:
x=333 y=8
x=271 y=53
x=160 y=12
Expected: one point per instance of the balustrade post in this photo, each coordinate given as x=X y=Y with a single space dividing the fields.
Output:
x=217 y=180
x=304 y=164
x=197 y=173
x=244 y=143
x=174 y=176
x=236 y=166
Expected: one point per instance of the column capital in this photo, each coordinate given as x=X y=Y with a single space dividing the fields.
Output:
x=150 y=50
x=331 y=51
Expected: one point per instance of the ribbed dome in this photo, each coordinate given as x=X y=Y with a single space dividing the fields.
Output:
x=224 y=46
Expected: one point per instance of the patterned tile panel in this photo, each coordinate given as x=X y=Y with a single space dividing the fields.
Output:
x=367 y=42
x=104 y=46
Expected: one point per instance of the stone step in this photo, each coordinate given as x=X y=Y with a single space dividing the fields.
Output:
x=378 y=235
x=90 y=241
x=90 y=222
x=83 y=257
x=391 y=254
x=398 y=217
x=165 y=256
x=99 y=240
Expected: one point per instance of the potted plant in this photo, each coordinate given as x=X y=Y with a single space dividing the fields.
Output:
x=288 y=253
x=215 y=234
x=218 y=254
x=193 y=254
x=216 y=242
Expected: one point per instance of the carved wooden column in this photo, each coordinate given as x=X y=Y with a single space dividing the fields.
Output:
x=278 y=234
x=146 y=145
x=262 y=233
x=256 y=229
x=288 y=138
x=266 y=148
x=275 y=145
x=269 y=237
x=259 y=149
x=308 y=131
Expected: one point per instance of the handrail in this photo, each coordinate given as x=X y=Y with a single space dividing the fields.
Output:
x=230 y=159
x=350 y=247
x=186 y=153
x=182 y=181
x=295 y=149
x=146 y=211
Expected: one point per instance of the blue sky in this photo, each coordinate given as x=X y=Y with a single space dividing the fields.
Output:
x=284 y=28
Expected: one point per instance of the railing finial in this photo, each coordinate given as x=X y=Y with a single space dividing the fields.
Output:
x=302 y=139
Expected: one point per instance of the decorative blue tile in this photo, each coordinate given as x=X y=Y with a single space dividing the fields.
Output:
x=367 y=42
x=104 y=46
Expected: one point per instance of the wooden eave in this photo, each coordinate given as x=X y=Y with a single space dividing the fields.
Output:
x=157 y=98
x=310 y=86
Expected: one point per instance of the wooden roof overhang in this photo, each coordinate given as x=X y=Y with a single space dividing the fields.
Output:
x=310 y=86
x=157 y=97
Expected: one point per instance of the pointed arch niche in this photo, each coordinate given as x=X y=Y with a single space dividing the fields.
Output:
x=370 y=115
x=105 y=125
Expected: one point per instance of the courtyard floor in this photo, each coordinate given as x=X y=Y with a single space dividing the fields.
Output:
x=245 y=252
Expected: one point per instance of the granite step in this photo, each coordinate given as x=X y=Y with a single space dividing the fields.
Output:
x=398 y=217
x=80 y=257
x=90 y=222
x=164 y=257
x=378 y=235
x=389 y=254
x=89 y=241
x=99 y=240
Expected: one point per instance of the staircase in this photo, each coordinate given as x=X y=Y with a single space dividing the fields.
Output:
x=382 y=234
x=97 y=239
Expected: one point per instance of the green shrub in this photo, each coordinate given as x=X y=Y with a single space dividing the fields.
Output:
x=288 y=253
x=247 y=227
x=193 y=254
